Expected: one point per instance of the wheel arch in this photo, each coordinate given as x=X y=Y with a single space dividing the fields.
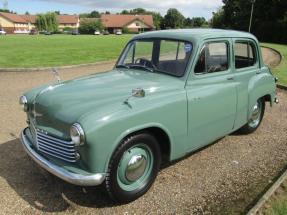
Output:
x=161 y=134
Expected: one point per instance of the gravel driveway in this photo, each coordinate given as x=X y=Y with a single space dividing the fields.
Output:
x=224 y=178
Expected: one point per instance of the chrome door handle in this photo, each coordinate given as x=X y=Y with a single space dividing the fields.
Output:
x=230 y=79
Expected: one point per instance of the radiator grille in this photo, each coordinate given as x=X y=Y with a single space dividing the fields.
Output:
x=55 y=147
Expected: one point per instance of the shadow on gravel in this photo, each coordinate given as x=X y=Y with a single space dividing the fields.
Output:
x=42 y=190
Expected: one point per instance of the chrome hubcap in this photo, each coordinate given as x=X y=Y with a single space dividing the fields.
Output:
x=256 y=114
x=136 y=167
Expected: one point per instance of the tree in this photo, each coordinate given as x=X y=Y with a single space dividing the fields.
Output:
x=217 y=19
x=47 y=22
x=173 y=19
x=139 y=11
x=89 y=26
x=95 y=14
x=198 y=21
x=268 y=18
x=125 y=12
x=157 y=19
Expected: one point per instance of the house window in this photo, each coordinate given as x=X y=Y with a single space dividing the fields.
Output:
x=137 y=24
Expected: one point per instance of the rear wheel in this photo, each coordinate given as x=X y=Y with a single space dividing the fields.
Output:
x=133 y=168
x=255 y=119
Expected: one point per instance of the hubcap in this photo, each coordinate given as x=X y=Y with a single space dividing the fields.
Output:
x=256 y=114
x=136 y=167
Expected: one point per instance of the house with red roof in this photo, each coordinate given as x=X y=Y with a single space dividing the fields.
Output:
x=14 y=23
x=134 y=23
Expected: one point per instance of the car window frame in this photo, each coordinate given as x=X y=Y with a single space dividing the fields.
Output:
x=256 y=64
x=220 y=40
x=187 y=66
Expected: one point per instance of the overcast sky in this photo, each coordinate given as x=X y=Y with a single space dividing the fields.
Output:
x=189 y=8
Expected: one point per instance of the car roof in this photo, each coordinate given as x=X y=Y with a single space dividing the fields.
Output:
x=195 y=35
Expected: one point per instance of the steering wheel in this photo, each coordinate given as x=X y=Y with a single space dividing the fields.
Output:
x=145 y=62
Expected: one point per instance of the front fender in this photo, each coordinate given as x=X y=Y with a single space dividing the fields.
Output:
x=106 y=129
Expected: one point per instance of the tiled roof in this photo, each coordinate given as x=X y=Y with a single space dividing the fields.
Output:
x=29 y=18
x=62 y=19
x=119 y=21
x=89 y=19
x=68 y=19
x=13 y=17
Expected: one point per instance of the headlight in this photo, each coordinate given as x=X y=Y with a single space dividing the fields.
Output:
x=23 y=101
x=77 y=134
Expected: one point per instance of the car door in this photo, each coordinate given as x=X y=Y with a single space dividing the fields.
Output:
x=211 y=94
x=246 y=66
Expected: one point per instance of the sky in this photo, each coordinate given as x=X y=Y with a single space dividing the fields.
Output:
x=189 y=8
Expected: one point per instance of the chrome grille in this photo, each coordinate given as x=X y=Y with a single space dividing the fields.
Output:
x=55 y=147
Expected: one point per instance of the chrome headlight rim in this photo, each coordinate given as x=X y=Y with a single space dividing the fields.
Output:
x=77 y=134
x=24 y=102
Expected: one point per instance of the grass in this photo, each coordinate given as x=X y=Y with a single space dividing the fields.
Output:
x=27 y=51
x=278 y=203
x=281 y=69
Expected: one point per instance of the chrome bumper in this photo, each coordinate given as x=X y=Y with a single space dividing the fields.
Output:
x=73 y=178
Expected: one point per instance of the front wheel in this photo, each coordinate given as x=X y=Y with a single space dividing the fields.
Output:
x=133 y=168
x=256 y=118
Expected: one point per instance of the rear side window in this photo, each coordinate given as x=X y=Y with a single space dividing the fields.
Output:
x=213 y=58
x=245 y=54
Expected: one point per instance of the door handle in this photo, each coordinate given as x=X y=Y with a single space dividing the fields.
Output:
x=230 y=79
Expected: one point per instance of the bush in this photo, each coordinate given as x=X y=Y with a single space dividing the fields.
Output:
x=89 y=27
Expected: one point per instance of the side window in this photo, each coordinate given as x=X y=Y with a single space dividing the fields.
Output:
x=245 y=54
x=214 y=57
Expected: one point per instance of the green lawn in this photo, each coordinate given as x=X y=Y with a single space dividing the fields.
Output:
x=58 y=50
x=278 y=202
x=281 y=70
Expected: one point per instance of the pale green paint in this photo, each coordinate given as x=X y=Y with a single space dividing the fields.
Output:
x=192 y=110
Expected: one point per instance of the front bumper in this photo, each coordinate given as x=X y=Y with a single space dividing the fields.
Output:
x=73 y=178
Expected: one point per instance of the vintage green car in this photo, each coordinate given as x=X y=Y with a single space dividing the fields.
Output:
x=170 y=93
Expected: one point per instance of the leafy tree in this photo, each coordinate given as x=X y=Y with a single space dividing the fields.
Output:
x=198 y=21
x=217 y=19
x=138 y=11
x=95 y=14
x=125 y=12
x=268 y=24
x=89 y=26
x=173 y=19
x=6 y=11
x=188 y=22
x=157 y=19
x=47 y=22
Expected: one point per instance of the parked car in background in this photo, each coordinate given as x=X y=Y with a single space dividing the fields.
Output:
x=119 y=32
x=170 y=94
x=97 y=32
x=48 y=33
x=34 y=32
x=106 y=33
x=75 y=32
x=2 y=32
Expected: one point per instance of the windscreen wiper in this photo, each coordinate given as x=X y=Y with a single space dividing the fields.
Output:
x=122 y=66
